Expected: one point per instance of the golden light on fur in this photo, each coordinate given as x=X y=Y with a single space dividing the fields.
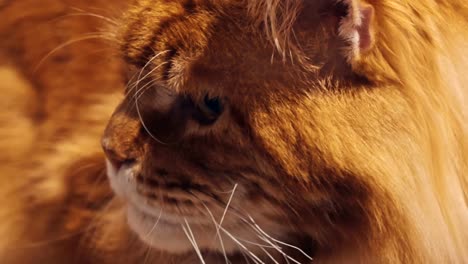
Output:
x=243 y=131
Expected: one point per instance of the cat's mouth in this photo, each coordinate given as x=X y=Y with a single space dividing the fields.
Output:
x=167 y=222
x=171 y=226
x=177 y=200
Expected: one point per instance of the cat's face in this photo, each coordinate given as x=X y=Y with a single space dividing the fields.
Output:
x=195 y=181
x=208 y=139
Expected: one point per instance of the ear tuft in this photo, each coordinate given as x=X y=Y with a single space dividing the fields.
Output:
x=356 y=28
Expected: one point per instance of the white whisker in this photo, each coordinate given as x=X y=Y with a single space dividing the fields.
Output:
x=140 y=79
x=149 y=234
x=243 y=254
x=254 y=243
x=155 y=224
x=92 y=15
x=77 y=9
x=265 y=239
x=85 y=37
x=278 y=241
x=269 y=255
x=146 y=65
x=136 y=99
x=255 y=258
x=148 y=83
x=279 y=249
x=192 y=240
x=145 y=127
x=141 y=90
x=217 y=233
x=240 y=239
x=148 y=252
x=228 y=203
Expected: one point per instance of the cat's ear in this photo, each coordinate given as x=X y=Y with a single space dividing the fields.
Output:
x=356 y=28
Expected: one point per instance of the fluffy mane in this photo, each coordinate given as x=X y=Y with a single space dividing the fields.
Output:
x=420 y=49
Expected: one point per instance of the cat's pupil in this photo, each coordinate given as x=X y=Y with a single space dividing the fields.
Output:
x=209 y=110
x=213 y=104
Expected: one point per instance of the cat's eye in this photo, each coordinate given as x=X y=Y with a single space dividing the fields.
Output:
x=208 y=110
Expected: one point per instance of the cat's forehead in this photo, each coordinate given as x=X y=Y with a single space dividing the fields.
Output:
x=227 y=48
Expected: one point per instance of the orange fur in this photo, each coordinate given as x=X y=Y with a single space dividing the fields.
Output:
x=355 y=156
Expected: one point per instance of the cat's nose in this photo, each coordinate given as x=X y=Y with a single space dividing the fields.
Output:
x=116 y=158
x=121 y=141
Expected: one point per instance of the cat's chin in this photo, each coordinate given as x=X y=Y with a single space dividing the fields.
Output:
x=166 y=234
x=158 y=232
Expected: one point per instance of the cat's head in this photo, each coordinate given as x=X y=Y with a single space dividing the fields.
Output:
x=236 y=119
